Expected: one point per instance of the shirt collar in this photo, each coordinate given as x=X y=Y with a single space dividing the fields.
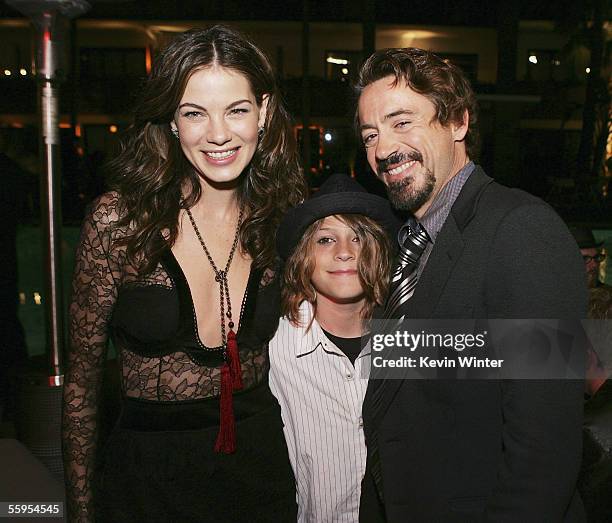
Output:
x=316 y=337
x=434 y=218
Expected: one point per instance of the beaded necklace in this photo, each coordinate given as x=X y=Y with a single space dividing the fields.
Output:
x=231 y=374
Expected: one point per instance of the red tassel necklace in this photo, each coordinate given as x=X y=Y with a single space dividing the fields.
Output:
x=231 y=375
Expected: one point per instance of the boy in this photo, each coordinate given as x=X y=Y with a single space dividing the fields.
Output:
x=336 y=247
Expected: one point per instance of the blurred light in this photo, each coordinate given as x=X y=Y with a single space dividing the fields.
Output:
x=337 y=61
x=328 y=137
x=23 y=72
x=14 y=22
x=421 y=34
x=169 y=28
x=148 y=59
x=77 y=130
x=556 y=62
x=113 y=128
x=64 y=125
x=533 y=59
x=37 y=298
x=7 y=72
x=588 y=70
x=344 y=70
x=22 y=298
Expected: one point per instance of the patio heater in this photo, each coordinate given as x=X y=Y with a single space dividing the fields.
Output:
x=39 y=397
x=50 y=19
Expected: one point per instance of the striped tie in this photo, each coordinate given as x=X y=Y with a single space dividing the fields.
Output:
x=404 y=278
x=403 y=282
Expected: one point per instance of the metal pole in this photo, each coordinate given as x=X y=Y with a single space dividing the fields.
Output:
x=50 y=20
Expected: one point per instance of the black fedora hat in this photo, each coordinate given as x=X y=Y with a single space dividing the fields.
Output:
x=340 y=194
x=584 y=238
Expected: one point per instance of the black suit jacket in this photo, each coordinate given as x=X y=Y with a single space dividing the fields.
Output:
x=501 y=451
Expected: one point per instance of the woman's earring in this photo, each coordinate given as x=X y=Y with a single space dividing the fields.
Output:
x=260 y=131
x=174 y=132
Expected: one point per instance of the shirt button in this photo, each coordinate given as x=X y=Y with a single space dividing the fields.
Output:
x=349 y=376
x=360 y=423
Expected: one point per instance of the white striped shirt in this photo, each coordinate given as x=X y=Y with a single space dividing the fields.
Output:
x=321 y=394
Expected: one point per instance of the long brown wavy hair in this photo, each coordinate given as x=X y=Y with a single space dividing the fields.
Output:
x=373 y=265
x=155 y=180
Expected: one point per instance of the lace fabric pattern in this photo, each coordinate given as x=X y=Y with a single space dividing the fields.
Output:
x=176 y=377
x=102 y=272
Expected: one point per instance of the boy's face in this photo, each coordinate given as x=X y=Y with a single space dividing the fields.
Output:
x=336 y=253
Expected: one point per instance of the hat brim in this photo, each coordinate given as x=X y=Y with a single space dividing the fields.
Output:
x=590 y=245
x=297 y=220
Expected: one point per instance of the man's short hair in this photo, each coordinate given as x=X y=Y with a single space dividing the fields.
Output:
x=443 y=83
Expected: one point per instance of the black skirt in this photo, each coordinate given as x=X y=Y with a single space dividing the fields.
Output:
x=159 y=464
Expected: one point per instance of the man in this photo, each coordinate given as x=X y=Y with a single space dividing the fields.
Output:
x=600 y=294
x=595 y=480
x=451 y=450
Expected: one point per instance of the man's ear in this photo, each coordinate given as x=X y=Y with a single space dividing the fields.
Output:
x=460 y=129
x=263 y=110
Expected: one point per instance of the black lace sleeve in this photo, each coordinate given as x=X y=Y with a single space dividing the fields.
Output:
x=94 y=291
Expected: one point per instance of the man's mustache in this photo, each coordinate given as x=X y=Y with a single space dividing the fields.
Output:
x=397 y=158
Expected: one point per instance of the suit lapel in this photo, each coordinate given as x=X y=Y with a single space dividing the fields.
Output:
x=448 y=247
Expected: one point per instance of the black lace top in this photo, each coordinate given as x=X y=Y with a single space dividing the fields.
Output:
x=151 y=320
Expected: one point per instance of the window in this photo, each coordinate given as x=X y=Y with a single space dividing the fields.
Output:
x=544 y=65
x=468 y=63
x=342 y=65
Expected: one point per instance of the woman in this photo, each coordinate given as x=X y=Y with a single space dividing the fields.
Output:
x=177 y=265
